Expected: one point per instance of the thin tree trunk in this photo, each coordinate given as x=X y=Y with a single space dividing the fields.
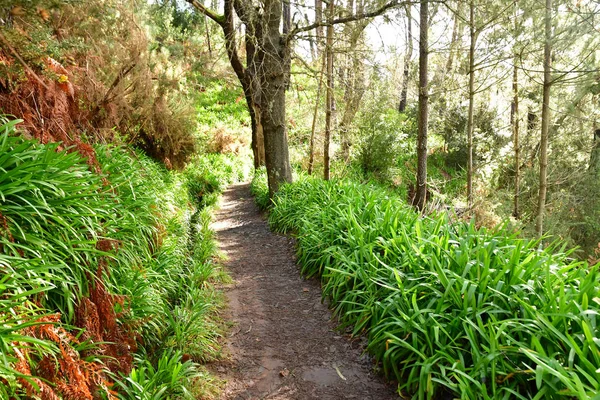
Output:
x=456 y=32
x=329 y=93
x=319 y=29
x=421 y=193
x=516 y=143
x=470 y=126
x=311 y=157
x=539 y=224
x=407 y=57
x=515 y=123
x=207 y=30
x=311 y=41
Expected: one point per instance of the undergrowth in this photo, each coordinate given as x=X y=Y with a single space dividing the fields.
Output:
x=448 y=309
x=107 y=280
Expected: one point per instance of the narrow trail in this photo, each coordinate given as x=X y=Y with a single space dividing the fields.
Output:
x=283 y=344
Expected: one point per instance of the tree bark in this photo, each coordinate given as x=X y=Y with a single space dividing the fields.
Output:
x=274 y=76
x=407 y=57
x=251 y=89
x=421 y=193
x=539 y=224
x=329 y=92
x=516 y=143
x=515 y=124
x=470 y=126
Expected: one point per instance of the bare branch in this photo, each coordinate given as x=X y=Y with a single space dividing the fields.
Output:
x=25 y=65
x=350 y=18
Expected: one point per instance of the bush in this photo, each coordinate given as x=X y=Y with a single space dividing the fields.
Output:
x=208 y=175
x=380 y=142
x=448 y=309
x=169 y=379
x=94 y=266
x=260 y=188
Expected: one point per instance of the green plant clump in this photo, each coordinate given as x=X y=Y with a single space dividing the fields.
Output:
x=260 y=188
x=449 y=310
x=129 y=242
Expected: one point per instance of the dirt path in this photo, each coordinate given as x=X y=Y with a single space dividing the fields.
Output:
x=283 y=344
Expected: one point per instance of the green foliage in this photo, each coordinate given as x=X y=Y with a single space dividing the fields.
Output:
x=52 y=211
x=486 y=138
x=220 y=104
x=382 y=136
x=260 y=188
x=208 y=175
x=59 y=222
x=448 y=309
x=169 y=379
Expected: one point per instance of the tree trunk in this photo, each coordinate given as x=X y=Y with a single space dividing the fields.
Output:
x=407 y=57
x=258 y=140
x=456 y=34
x=274 y=75
x=311 y=41
x=311 y=157
x=319 y=29
x=539 y=224
x=470 y=126
x=329 y=92
x=249 y=85
x=354 y=88
x=207 y=31
x=515 y=124
x=594 y=166
x=516 y=143
x=421 y=193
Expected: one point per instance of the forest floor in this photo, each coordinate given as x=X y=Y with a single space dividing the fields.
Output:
x=283 y=343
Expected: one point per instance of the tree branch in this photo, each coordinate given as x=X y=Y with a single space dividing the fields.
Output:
x=350 y=18
x=218 y=18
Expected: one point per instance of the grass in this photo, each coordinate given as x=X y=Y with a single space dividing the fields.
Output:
x=96 y=265
x=449 y=310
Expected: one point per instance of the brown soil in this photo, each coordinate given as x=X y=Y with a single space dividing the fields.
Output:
x=283 y=343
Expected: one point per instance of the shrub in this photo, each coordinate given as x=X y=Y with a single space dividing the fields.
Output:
x=95 y=265
x=260 y=189
x=169 y=379
x=448 y=309
x=379 y=144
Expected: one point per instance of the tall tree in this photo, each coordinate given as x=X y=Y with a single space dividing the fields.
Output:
x=266 y=75
x=421 y=192
x=515 y=119
x=539 y=224
x=311 y=150
x=407 y=57
x=329 y=105
x=264 y=78
x=470 y=125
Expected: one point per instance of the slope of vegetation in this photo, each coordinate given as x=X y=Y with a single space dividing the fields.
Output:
x=447 y=308
x=107 y=278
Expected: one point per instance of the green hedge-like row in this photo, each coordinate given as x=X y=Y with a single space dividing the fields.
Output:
x=136 y=226
x=449 y=310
